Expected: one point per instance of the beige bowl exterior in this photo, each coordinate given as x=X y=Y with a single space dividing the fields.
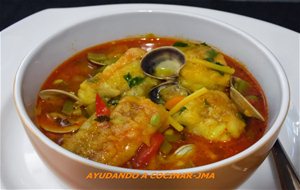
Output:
x=73 y=169
x=76 y=173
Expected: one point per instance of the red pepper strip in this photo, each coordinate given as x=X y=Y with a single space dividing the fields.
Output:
x=101 y=108
x=146 y=153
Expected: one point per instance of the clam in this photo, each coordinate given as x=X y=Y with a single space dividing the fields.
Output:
x=48 y=93
x=165 y=91
x=59 y=123
x=163 y=63
x=101 y=59
x=242 y=103
x=184 y=150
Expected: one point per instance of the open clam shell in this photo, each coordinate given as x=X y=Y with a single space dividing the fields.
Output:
x=163 y=63
x=242 y=103
x=48 y=93
x=185 y=150
x=101 y=59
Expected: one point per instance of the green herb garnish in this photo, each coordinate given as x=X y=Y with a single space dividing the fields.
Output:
x=155 y=120
x=133 y=81
x=182 y=109
x=209 y=59
x=211 y=55
x=180 y=44
x=68 y=107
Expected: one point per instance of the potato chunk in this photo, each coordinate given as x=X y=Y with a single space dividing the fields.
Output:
x=212 y=116
x=111 y=83
x=130 y=126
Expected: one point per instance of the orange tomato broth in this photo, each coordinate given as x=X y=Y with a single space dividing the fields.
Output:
x=77 y=68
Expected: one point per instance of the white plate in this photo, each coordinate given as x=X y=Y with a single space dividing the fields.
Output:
x=20 y=165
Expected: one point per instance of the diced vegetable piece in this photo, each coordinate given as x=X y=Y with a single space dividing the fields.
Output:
x=101 y=108
x=187 y=99
x=175 y=124
x=169 y=132
x=172 y=137
x=166 y=147
x=146 y=153
x=67 y=107
x=173 y=101
x=241 y=85
x=222 y=68
x=155 y=120
x=180 y=44
x=77 y=112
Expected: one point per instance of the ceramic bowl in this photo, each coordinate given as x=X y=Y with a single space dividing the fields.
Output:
x=228 y=173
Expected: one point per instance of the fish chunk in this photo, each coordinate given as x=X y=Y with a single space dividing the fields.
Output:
x=130 y=126
x=111 y=83
x=194 y=76
x=213 y=116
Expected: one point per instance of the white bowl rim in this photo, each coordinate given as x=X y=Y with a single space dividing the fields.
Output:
x=284 y=104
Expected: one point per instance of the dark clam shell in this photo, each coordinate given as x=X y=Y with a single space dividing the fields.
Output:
x=155 y=93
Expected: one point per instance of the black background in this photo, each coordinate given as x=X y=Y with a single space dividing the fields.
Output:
x=286 y=14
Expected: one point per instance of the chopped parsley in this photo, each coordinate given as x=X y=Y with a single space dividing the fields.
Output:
x=182 y=109
x=211 y=55
x=209 y=59
x=180 y=44
x=220 y=72
x=133 y=81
